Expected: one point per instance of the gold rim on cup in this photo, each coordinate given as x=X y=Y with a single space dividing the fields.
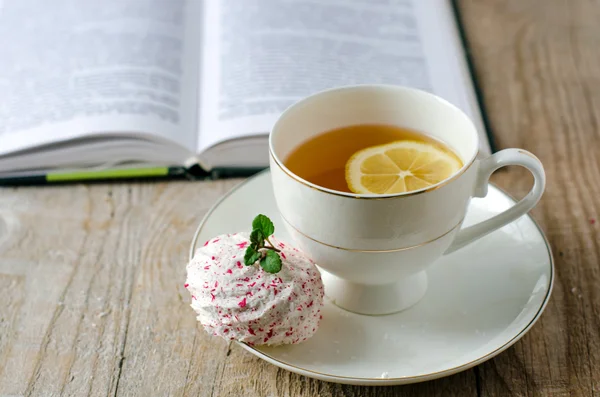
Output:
x=374 y=251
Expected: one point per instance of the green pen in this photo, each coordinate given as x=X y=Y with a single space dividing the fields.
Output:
x=87 y=175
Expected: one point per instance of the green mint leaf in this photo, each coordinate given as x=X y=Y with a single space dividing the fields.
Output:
x=271 y=263
x=251 y=256
x=257 y=239
x=264 y=224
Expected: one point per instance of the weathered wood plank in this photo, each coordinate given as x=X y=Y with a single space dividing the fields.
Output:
x=72 y=261
x=164 y=348
x=538 y=62
x=96 y=305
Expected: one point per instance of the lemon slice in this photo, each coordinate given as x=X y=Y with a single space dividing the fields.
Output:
x=399 y=167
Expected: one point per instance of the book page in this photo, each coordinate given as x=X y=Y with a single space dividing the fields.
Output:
x=71 y=68
x=446 y=61
x=261 y=56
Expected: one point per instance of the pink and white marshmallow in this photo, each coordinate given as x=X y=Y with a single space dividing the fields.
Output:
x=248 y=304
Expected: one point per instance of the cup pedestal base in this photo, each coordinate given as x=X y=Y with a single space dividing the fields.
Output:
x=375 y=299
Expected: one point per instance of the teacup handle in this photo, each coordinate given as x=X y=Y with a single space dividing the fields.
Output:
x=486 y=168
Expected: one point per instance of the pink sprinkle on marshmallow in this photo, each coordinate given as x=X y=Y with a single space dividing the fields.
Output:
x=238 y=313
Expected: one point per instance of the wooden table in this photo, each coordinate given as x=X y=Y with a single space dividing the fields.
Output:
x=91 y=295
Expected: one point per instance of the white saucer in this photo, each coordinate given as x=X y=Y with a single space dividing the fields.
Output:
x=480 y=301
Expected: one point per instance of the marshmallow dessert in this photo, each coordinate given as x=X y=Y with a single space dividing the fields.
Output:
x=254 y=288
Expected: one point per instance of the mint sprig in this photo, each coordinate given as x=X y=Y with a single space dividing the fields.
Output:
x=261 y=249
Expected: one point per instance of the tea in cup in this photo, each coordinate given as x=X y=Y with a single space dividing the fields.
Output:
x=374 y=182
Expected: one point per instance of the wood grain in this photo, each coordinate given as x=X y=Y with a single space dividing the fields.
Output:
x=91 y=295
x=538 y=63
x=93 y=303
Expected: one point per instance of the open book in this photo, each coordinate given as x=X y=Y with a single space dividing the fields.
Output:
x=89 y=86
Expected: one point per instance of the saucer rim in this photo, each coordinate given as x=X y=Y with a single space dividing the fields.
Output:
x=352 y=380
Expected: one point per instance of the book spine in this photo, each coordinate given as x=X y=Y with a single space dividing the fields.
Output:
x=471 y=66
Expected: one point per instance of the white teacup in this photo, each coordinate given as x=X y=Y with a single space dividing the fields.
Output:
x=374 y=249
